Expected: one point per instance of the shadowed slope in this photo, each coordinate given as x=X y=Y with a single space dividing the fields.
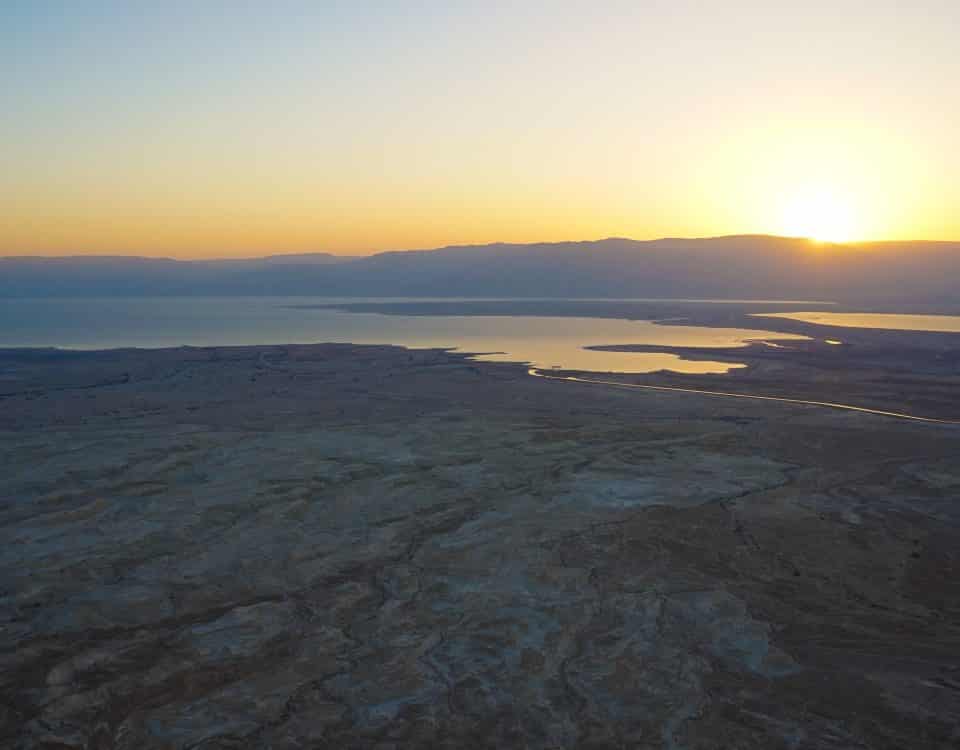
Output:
x=722 y=267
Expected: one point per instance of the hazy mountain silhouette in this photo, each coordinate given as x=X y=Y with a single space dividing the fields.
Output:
x=750 y=266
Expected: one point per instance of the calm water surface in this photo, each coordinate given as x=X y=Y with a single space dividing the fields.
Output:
x=890 y=321
x=231 y=321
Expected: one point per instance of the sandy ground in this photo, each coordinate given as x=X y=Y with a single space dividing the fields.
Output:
x=338 y=546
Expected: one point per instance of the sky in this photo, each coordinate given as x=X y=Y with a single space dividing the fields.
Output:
x=218 y=129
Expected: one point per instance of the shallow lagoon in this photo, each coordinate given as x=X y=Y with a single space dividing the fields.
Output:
x=888 y=321
x=235 y=321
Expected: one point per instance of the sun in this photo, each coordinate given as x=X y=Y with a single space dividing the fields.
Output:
x=822 y=214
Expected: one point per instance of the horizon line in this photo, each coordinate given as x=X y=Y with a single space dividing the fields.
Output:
x=497 y=243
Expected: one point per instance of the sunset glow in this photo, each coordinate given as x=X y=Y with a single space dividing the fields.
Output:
x=232 y=131
x=822 y=215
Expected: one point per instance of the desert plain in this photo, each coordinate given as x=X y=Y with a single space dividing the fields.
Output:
x=338 y=546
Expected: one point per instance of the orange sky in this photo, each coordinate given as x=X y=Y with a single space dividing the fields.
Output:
x=214 y=133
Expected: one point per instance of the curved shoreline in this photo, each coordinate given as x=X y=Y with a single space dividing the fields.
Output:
x=534 y=372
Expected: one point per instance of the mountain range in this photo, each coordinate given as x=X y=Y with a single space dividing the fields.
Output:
x=733 y=267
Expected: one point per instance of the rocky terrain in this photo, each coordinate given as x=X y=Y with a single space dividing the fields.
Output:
x=367 y=547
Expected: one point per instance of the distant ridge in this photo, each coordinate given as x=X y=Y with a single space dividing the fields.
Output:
x=739 y=266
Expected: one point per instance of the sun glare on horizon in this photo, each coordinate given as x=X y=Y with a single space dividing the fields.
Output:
x=822 y=214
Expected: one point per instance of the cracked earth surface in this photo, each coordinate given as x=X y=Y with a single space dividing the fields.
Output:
x=337 y=546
